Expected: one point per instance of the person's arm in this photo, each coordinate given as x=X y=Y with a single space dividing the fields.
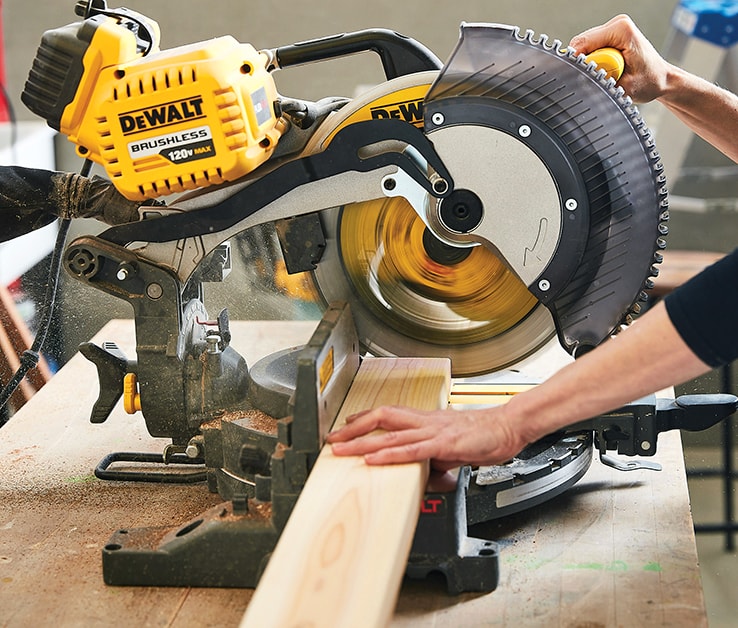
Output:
x=647 y=357
x=708 y=110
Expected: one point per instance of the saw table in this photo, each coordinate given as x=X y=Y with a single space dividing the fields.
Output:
x=616 y=549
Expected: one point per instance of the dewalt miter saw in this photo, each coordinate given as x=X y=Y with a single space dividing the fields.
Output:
x=473 y=209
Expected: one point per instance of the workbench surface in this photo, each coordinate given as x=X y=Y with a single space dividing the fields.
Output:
x=618 y=549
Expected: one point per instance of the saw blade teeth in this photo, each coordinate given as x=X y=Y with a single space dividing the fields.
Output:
x=617 y=93
x=543 y=42
x=579 y=57
x=530 y=36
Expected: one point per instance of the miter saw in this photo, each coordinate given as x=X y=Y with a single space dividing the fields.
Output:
x=474 y=209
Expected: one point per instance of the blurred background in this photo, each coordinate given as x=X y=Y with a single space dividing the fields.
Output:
x=703 y=184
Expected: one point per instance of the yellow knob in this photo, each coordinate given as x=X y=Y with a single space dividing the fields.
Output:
x=131 y=396
x=608 y=59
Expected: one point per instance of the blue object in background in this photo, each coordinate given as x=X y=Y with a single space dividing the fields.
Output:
x=714 y=21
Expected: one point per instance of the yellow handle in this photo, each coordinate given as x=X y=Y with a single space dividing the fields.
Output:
x=131 y=396
x=610 y=60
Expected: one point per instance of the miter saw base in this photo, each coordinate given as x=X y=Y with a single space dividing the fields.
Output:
x=225 y=548
x=259 y=467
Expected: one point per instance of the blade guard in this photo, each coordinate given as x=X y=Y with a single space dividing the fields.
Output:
x=592 y=286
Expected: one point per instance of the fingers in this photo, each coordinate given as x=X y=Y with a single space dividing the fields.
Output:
x=385 y=417
x=646 y=72
x=407 y=440
x=409 y=436
x=447 y=438
x=616 y=33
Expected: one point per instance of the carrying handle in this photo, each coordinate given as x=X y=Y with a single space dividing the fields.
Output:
x=400 y=55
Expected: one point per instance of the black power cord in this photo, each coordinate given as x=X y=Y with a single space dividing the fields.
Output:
x=30 y=357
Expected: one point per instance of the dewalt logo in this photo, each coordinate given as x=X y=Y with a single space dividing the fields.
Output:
x=407 y=110
x=161 y=116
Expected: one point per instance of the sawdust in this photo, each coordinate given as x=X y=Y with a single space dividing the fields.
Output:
x=211 y=424
x=143 y=538
x=279 y=450
x=261 y=510
x=254 y=419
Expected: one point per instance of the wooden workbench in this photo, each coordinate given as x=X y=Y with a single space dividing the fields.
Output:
x=616 y=550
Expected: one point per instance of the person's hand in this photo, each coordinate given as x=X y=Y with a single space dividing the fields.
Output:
x=449 y=438
x=646 y=72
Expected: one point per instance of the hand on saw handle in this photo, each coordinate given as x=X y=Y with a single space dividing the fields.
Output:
x=31 y=198
x=645 y=75
x=647 y=357
x=710 y=111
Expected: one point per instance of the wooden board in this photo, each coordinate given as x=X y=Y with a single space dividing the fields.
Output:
x=481 y=394
x=342 y=554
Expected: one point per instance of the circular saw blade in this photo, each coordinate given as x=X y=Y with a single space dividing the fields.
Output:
x=601 y=156
x=403 y=308
x=426 y=289
x=410 y=293
x=591 y=151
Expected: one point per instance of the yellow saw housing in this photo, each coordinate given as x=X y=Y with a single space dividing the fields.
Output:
x=159 y=122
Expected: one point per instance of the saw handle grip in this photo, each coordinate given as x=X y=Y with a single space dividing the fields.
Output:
x=608 y=59
x=695 y=413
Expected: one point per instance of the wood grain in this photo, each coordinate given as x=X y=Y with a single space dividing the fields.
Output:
x=341 y=557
